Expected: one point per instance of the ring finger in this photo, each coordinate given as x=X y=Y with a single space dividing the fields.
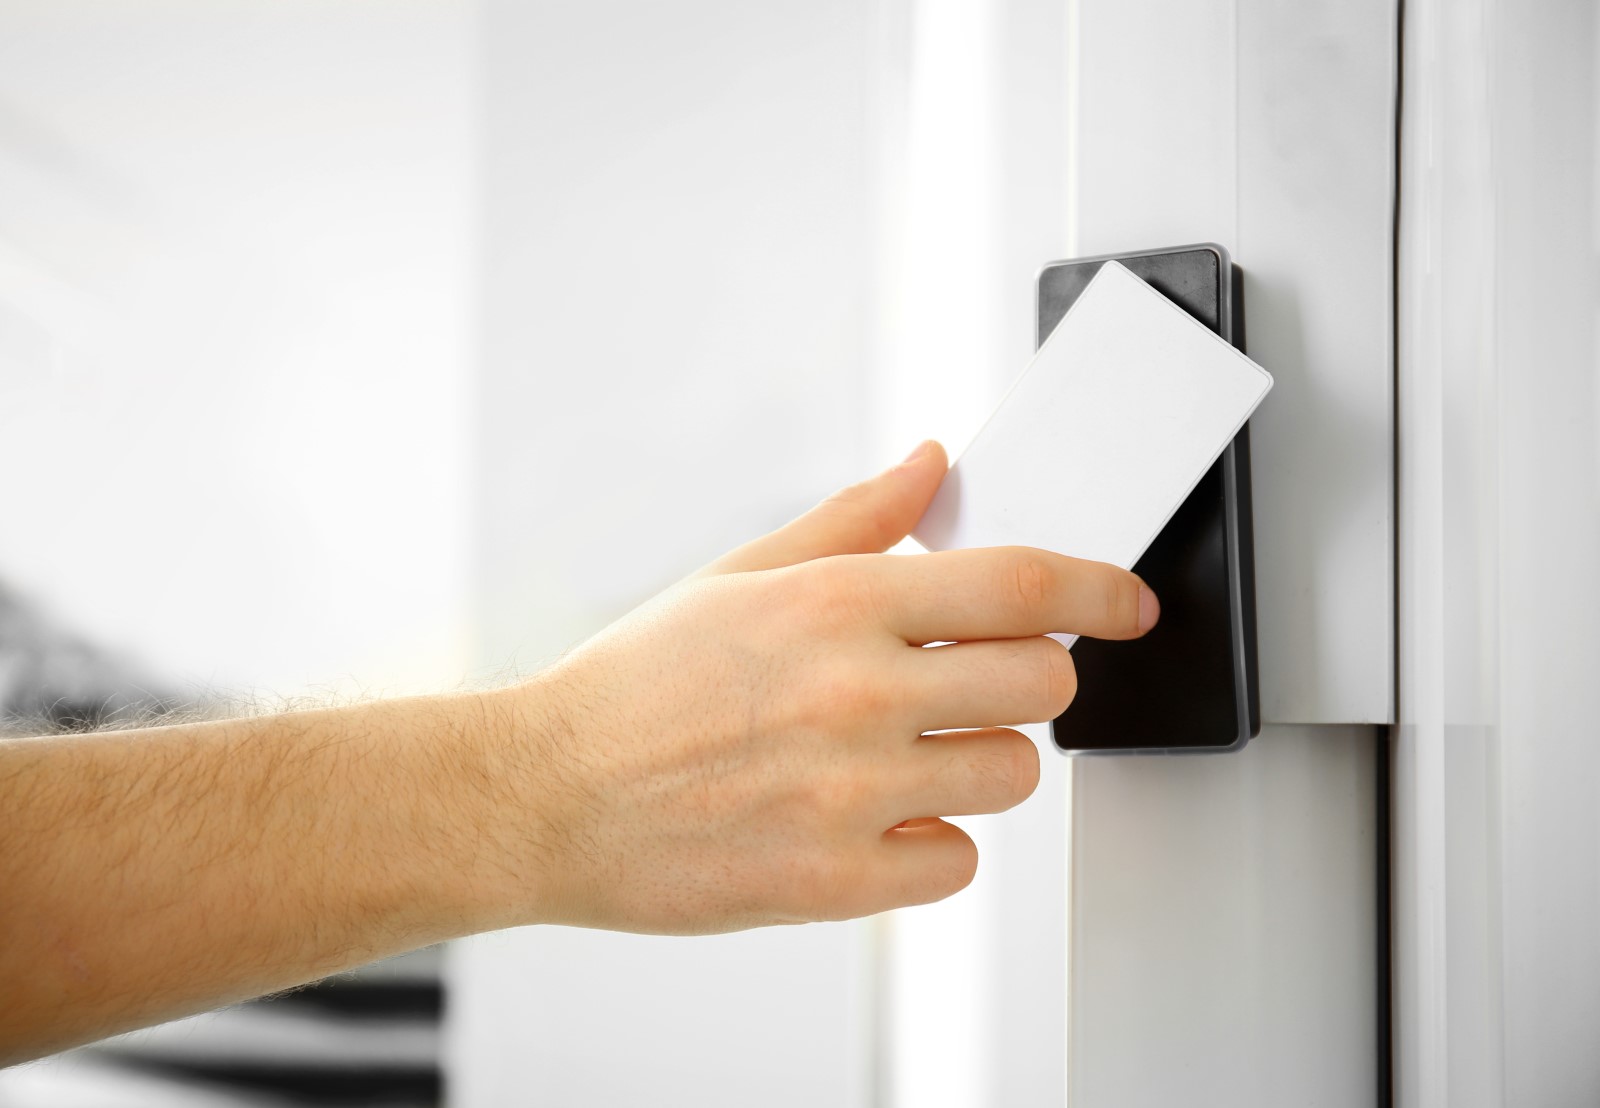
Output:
x=999 y=682
x=969 y=773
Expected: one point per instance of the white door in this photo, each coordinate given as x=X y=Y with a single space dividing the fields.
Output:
x=1205 y=929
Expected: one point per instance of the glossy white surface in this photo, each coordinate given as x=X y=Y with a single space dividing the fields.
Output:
x=1497 y=860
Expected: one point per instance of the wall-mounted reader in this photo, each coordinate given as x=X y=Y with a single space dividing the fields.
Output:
x=1124 y=441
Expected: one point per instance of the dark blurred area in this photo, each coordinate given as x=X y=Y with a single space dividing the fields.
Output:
x=52 y=681
x=366 y=1038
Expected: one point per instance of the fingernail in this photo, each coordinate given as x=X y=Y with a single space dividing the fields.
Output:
x=1149 y=609
x=922 y=449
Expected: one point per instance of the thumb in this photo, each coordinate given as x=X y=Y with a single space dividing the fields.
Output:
x=867 y=518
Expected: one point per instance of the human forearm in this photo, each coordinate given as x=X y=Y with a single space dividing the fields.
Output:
x=770 y=741
x=149 y=874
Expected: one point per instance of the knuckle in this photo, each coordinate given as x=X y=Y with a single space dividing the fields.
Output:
x=1004 y=772
x=1031 y=581
x=853 y=695
x=860 y=512
x=836 y=593
x=821 y=585
x=842 y=794
x=1008 y=771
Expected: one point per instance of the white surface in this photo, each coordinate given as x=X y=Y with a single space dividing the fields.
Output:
x=74 y=1081
x=776 y=1016
x=940 y=294
x=1110 y=426
x=1265 y=125
x=1314 y=166
x=1222 y=931
x=235 y=355
x=1497 y=861
x=1223 y=951
x=975 y=992
x=680 y=229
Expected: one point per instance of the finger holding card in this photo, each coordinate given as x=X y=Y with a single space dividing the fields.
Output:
x=1126 y=408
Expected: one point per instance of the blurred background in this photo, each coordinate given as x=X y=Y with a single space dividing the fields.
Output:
x=350 y=349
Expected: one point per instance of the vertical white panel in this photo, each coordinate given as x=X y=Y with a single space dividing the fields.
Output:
x=1497 y=833
x=1448 y=1033
x=1267 y=126
x=1223 y=939
x=1155 y=158
x=1546 y=114
x=1223 y=925
x=1315 y=134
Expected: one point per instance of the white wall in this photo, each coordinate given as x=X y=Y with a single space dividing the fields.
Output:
x=234 y=290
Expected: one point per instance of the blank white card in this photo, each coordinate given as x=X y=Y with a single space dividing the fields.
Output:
x=1107 y=430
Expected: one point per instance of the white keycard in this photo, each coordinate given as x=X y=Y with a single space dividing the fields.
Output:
x=1111 y=425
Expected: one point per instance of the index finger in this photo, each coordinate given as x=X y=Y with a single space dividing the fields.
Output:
x=1009 y=592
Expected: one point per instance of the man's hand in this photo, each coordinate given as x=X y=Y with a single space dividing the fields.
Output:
x=752 y=746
